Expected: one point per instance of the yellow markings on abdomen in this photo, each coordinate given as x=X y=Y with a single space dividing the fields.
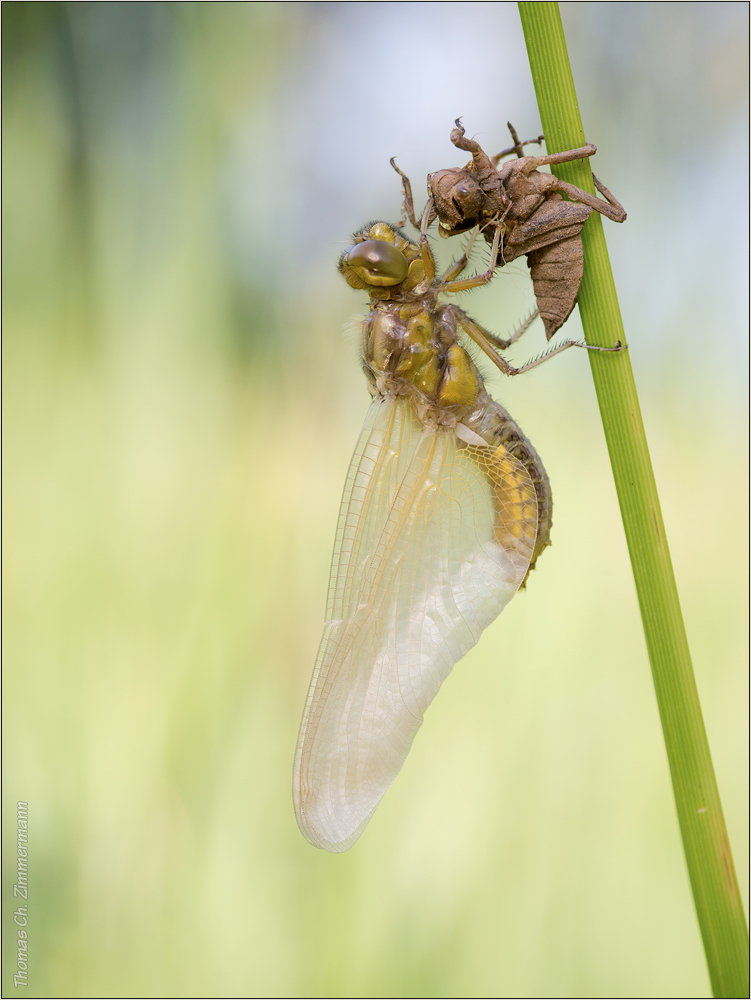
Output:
x=514 y=498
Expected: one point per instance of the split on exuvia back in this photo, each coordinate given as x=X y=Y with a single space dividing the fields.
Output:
x=446 y=509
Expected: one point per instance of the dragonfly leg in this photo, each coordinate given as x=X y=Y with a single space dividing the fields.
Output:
x=581 y=153
x=408 y=202
x=611 y=208
x=564 y=347
x=425 y=252
x=461 y=262
x=462 y=284
x=505 y=344
x=517 y=148
x=485 y=341
x=612 y=200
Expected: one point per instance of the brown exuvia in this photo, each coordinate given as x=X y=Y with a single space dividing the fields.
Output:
x=530 y=209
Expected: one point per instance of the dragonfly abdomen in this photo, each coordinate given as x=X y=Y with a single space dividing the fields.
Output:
x=496 y=426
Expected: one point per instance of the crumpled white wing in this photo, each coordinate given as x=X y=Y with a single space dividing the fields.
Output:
x=434 y=539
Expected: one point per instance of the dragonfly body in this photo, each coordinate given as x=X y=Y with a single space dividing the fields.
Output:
x=445 y=511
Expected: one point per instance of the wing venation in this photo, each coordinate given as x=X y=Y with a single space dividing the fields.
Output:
x=434 y=539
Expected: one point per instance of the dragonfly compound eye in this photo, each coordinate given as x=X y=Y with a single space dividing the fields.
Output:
x=377 y=262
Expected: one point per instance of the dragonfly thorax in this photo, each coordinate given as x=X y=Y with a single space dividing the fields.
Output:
x=412 y=348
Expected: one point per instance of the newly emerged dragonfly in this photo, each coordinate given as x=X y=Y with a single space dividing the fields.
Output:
x=446 y=509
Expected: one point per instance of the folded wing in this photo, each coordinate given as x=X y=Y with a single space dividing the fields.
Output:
x=434 y=539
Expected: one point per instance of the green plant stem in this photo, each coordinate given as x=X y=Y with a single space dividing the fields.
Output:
x=708 y=857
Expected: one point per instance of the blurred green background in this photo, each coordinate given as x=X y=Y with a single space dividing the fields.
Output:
x=180 y=408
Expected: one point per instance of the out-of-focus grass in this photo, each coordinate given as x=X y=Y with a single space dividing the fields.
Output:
x=177 y=429
x=165 y=583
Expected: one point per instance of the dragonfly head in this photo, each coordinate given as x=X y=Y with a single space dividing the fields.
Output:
x=458 y=199
x=382 y=261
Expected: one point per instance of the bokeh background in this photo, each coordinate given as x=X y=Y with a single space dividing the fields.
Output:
x=180 y=408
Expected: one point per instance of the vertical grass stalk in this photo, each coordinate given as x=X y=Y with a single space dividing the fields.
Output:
x=708 y=857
